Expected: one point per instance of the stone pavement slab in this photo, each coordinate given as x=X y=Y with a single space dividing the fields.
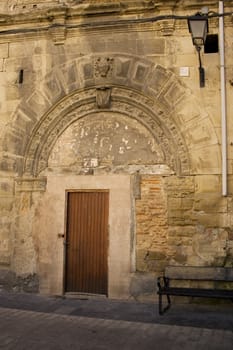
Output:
x=30 y=330
x=29 y=321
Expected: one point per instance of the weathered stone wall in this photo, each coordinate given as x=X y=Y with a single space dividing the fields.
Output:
x=198 y=223
x=176 y=224
x=78 y=97
x=152 y=225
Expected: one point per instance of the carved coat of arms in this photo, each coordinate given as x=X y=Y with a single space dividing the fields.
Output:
x=103 y=67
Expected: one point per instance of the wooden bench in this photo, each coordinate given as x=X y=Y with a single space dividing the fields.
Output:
x=169 y=284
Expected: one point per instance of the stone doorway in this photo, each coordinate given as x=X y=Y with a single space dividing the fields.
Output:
x=50 y=214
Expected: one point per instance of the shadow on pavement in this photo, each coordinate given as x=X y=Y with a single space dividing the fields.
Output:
x=193 y=315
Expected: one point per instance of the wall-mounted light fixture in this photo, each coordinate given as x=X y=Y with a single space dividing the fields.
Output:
x=198 y=27
x=20 y=80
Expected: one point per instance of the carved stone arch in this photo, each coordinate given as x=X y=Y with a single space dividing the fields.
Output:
x=124 y=101
x=155 y=94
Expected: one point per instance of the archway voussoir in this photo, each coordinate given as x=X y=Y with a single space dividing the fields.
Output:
x=36 y=105
x=53 y=87
x=69 y=77
x=158 y=79
x=140 y=75
x=123 y=68
x=85 y=69
x=15 y=141
x=173 y=93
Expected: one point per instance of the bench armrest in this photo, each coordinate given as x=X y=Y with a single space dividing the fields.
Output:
x=162 y=282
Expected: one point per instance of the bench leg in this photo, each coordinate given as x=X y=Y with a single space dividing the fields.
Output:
x=161 y=310
x=168 y=302
x=160 y=304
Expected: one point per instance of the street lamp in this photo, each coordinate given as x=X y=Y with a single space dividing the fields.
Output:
x=198 y=27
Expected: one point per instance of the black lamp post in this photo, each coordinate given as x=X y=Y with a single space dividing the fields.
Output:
x=198 y=27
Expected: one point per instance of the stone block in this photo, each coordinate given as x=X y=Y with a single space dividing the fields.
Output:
x=174 y=203
x=181 y=232
x=187 y=203
x=9 y=165
x=7 y=80
x=180 y=186
x=211 y=220
x=172 y=94
x=180 y=218
x=70 y=76
x=6 y=203
x=206 y=160
x=180 y=258
x=122 y=67
x=210 y=203
x=150 y=47
x=4 y=118
x=118 y=44
x=7 y=278
x=5 y=259
x=158 y=79
x=4 y=50
x=198 y=135
x=6 y=187
x=187 y=59
x=37 y=102
x=140 y=259
x=12 y=65
x=21 y=49
x=13 y=93
x=230 y=182
x=5 y=230
x=208 y=184
x=140 y=73
x=53 y=88
x=28 y=283
x=156 y=255
x=174 y=241
x=142 y=283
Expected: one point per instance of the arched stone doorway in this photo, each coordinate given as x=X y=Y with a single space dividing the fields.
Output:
x=103 y=150
x=139 y=105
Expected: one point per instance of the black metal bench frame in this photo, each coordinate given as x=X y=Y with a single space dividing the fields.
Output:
x=193 y=274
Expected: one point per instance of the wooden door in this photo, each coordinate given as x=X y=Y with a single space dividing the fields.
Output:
x=87 y=242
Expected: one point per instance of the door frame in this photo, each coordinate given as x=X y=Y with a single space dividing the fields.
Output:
x=51 y=216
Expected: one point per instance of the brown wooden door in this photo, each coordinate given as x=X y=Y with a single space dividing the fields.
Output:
x=87 y=242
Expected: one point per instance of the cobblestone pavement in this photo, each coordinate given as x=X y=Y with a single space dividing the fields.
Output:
x=29 y=322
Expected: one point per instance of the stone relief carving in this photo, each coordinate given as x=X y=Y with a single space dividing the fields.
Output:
x=30 y=184
x=103 y=97
x=105 y=139
x=103 y=67
x=142 y=110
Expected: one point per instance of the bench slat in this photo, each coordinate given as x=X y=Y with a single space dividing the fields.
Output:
x=200 y=273
x=196 y=292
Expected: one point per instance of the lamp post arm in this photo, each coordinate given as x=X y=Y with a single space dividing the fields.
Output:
x=201 y=69
x=198 y=48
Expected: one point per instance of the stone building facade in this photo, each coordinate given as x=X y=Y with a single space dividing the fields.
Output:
x=97 y=97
